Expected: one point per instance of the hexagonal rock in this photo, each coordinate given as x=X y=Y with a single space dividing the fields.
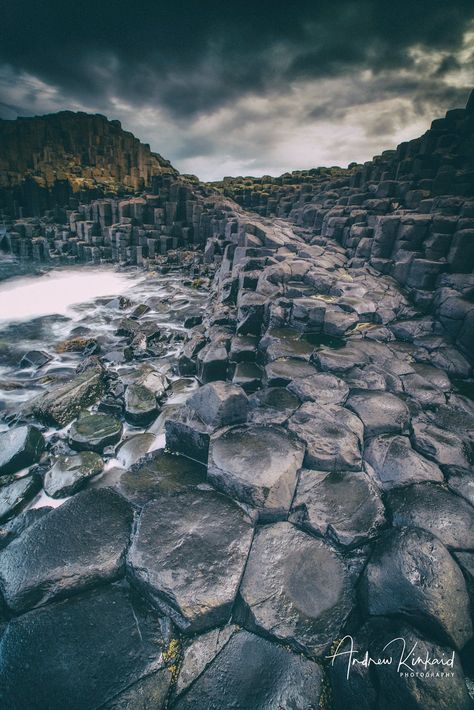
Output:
x=332 y=434
x=322 y=388
x=158 y=474
x=443 y=446
x=219 y=404
x=381 y=412
x=246 y=671
x=186 y=434
x=20 y=447
x=94 y=432
x=395 y=463
x=188 y=555
x=272 y=405
x=140 y=405
x=74 y=547
x=257 y=465
x=411 y=574
x=279 y=373
x=343 y=506
x=433 y=508
x=112 y=642
x=295 y=588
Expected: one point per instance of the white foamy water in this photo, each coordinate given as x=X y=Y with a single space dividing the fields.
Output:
x=54 y=292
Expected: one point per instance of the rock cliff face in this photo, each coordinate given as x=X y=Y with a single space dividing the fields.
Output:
x=46 y=159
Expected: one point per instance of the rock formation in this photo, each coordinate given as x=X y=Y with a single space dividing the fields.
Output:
x=316 y=485
x=46 y=160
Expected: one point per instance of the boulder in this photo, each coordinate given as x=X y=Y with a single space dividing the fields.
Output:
x=412 y=575
x=333 y=437
x=219 y=404
x=295 y=589
x=19 y=448
x=257 y=465
x=16 y=493
x=140 y=405
x=246 y=671
x=461 y=481
x=433 y=508
x=70 y=473
x=251 y=309
x=94 y=432
x=381 y=412
x=111 y=641
x=9 y=531
x=60 y=406
x=76 y=546
x=35 y=358
x=344 y=507
x=243 y=348
x=247 y=375
x=395 y=463
x=188 y=555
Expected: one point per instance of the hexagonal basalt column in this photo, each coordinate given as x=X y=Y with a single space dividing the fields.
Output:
x=188 y=555
x=257 y=465
x=295 y=588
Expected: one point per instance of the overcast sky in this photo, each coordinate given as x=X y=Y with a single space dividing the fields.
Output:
x=243 y=88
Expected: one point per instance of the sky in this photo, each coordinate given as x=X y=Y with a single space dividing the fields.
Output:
x=243 y=87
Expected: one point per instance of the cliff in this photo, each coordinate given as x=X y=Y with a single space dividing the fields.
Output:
x=44 y=160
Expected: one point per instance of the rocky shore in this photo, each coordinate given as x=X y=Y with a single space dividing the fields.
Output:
x=313 y=482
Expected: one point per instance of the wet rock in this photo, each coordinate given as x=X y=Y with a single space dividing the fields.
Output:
x=149 y=692
x=140 y=405
x=386 y=685
x=247 y=375
x=444 y=447
x=94 y=432
x=251 y=672
x=186 y=434
x=219 y=404
x=9 y=531
x=211 y=363
x=461 y=481
x=344 y=507
x=134 y=448
x=381 y=412
x=200 y=652
x=321 y=387
x=85 y=345
x=140 y=310
x=16 y=494
x=71 y=473
x=339 y=360
x=156 y=382
x=65 y=402
x=435 y=509
x=333 y=437
x=396 y=464
x=76 y=546
x=281 y=372
x=35 y=358
x=251 y=308
x=112 y=641
x=188 y=555
x=295 y=588
x=19 y=448
x=159 y=474
x=257 y=465
x=272 y=405
x=243 y=348
x=411 y=574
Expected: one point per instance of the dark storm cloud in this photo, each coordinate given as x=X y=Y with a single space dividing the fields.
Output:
x=191 y=56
